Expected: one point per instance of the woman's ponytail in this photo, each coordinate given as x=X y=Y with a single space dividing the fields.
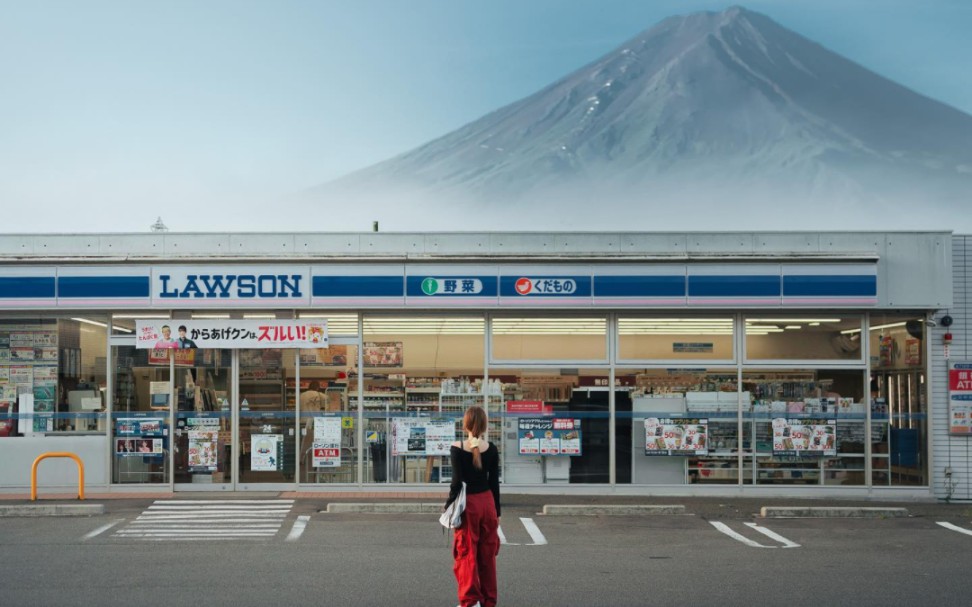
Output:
x=474 y=423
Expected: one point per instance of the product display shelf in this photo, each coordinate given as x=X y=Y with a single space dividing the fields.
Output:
x=422 y=398
x=265 y=394
x=457 y=403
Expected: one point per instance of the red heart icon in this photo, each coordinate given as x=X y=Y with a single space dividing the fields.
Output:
x=524 y=286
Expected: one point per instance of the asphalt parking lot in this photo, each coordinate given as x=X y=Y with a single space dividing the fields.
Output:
x=265 y=550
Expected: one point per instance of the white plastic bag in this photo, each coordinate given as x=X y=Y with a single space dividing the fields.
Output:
x=452 y=517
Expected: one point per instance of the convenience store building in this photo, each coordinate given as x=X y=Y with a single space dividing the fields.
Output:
x=632 y=363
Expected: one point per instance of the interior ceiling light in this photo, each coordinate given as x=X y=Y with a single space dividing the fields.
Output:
x=801 y=320
x=209 y=316
x=140 y=316
x=875 y=328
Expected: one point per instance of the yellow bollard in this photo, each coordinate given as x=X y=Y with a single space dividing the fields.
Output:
x=42 y=457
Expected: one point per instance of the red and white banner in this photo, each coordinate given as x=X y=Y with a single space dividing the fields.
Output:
x=222 y=333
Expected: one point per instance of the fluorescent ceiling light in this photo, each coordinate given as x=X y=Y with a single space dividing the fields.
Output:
x=137 y=316
x=875 y=327
x=806 y=320
x=258 y=316
x=211 y=316
x=793 y=327
x=88 y=321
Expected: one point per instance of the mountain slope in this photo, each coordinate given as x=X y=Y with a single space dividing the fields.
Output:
x=718 y=106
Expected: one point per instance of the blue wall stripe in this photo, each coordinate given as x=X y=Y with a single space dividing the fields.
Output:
x=27 y=287
x=734 y=286
x=358 y=286
x=852 y=285
x=639 y=286
x=103 y=286
x=414 y=285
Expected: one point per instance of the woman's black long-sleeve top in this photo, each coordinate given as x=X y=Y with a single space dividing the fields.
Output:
x=477 y=480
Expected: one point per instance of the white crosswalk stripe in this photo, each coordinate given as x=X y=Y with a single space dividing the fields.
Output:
x=183 y=520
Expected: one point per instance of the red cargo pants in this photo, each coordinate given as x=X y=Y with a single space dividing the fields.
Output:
x=474 y=549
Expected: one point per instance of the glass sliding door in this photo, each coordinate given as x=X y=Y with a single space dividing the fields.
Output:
x=203 y=441
x=267 y=430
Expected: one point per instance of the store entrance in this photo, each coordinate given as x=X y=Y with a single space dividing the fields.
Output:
x=235 y=421
x=267 y=422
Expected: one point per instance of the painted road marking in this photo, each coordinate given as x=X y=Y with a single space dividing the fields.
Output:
x=534 y=531
x=745 y=540
x=535 y=534
x=299 y=525
x=955 y=528
x=209 y=519
x=101 y=529
x=770 y=534
x=725 y=529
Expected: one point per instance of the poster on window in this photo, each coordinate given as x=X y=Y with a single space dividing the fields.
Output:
x=960 y=398
x=418 y=436
x=203 y=450
x=326 y=449
x=549 y=436
x=383 y=353
x=266 y=452
x=804 y=437
x=676 y=436
x=333 y=356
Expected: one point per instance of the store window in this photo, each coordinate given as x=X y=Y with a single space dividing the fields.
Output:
x=338 y=325
x=680 y=426
x=899 y=399
x=420 y=374
x=795 y=337
x=554 y=338
x=123 y=323
x=328 y=417
x=52 y=375
x=140 y=419
x=809 y=426
x=555 y=425
x=675 y=338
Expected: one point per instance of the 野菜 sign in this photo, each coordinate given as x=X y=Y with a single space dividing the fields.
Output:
x=804 y=437
x=676 y=436
x=242 y=333
x=549 y=436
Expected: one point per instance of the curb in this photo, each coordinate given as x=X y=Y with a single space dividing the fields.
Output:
x=385 y=508
x=832 y=512
x=623 y=510
x=52 y=510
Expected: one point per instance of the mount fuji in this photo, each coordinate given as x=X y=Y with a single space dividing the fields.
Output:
x=707 y=121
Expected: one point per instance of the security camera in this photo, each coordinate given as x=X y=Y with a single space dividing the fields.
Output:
x=931 y=322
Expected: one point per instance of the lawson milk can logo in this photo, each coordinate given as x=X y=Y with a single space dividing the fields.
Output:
x=545 y=286
x=452 y=286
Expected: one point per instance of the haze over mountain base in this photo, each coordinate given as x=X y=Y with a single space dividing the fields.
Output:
x=712 y=121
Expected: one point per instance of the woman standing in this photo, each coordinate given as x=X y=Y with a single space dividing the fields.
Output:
x=476 y=543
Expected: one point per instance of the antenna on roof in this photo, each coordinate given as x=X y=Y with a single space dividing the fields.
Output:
x=158 y=226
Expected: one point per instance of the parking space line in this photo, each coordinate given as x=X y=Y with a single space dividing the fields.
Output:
x=725 y=529
x=534 y=531
x=102 y=529
x=955 y=528
x=299 y=525
x=772 y=535
x=502 y=536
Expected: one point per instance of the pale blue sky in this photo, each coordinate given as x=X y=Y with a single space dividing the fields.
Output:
x=116 y=112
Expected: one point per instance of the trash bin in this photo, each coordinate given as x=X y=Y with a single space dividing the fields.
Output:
x=378 y=459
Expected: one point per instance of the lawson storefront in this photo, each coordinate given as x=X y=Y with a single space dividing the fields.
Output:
x=635 y=363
